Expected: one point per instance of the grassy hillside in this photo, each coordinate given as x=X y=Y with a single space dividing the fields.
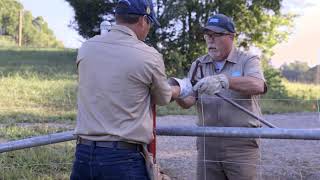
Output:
x=37 y=85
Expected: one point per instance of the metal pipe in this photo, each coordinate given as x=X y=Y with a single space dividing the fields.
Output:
x=37 y=141
x=231 y=132
x=246 y=110
x=238 y=132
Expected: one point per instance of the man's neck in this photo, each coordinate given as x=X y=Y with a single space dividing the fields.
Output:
x=133 y=27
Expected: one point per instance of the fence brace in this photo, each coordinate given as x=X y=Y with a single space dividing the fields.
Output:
x=231 y=132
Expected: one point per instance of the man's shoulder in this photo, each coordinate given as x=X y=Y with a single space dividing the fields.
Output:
x=147 y=49
x=96 y=38
x=244 y=56
x=136 y=46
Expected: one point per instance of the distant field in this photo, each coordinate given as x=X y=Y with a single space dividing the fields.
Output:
x=303 y=91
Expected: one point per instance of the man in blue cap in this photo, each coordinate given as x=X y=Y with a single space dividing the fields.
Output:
x=120 y=78
x=236 y=75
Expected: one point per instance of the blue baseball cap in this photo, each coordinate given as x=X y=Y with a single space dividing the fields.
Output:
x=138 y=7
x=220 y=23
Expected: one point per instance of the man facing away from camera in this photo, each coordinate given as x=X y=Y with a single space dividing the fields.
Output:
x=120 y=77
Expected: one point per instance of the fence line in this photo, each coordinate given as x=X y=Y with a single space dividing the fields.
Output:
x=231 y=132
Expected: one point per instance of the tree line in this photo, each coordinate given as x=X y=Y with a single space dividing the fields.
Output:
x=180 y=39
x=35 y=31
x=298 y=71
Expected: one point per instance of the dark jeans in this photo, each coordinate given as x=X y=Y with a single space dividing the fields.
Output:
x=100 y=163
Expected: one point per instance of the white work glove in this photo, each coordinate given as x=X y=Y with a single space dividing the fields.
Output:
x=212 y=84
x=184 y=84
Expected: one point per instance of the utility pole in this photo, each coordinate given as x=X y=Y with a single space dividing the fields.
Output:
x=20 y=27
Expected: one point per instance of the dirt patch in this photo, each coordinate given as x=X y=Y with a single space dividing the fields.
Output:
x=280 y=159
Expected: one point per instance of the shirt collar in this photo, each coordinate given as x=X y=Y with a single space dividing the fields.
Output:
x=123 y=29
x=231 y=57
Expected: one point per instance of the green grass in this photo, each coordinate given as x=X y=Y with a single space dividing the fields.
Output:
x=303 y=98
x=48 y=162
x=7 y=41
x=14 y=132
x=41 y=163
x=37 y=85
x=303 y=91
x=174 y=109
x=274 y=106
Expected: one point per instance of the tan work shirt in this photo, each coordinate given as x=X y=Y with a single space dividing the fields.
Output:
x=118 y=75
x=214 y=111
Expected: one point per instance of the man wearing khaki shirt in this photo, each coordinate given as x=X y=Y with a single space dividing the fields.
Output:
x=120 y=77
x=236 y=75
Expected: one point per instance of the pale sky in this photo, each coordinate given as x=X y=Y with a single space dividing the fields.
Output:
x=58 y=14
x=302 y=45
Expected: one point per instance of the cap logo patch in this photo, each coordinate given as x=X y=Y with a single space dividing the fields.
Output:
x=214 y=20
x=148 y=10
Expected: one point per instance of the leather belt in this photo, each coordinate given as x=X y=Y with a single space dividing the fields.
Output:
x=110 y=144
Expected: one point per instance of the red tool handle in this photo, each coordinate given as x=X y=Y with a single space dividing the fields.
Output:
x=152 y=147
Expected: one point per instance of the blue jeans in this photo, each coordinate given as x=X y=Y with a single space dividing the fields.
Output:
x=100 y=163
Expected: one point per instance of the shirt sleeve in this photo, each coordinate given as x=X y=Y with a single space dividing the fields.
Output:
x=160 y=89
x=253 y=68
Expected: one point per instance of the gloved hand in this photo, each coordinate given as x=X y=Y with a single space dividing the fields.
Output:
x=212 y=84
x=185 y=86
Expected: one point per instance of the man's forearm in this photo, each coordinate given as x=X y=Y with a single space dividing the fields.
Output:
x=175 y=92
x=247 y=85
x=187 y=102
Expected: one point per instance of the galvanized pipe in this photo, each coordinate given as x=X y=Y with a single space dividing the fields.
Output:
x=231 y=132
x=237 y=132
x=37 y=141
x=246 y=110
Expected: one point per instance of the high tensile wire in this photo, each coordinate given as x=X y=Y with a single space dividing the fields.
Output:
x=204 y=140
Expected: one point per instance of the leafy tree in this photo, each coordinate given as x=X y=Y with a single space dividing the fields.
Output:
x=300 y=71
x=180 y=37
x=312 y=75
x=294 y=71
x=35 y=33
x=274 y=80
x=88 y=15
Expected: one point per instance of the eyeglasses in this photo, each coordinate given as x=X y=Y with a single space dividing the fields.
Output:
x=214 y=35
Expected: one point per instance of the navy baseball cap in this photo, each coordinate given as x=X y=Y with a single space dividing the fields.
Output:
x=220 y=23
x=138 y=7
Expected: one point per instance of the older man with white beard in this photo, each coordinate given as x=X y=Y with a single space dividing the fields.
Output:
x=233 y=74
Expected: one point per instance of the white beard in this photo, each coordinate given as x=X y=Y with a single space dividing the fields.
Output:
x=214 y=54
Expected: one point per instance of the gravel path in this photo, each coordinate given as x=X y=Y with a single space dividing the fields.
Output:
x=280 y=159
